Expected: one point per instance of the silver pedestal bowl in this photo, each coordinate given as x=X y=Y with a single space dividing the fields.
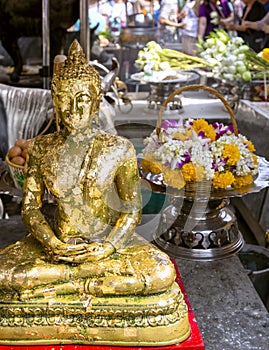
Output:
x=198 y=223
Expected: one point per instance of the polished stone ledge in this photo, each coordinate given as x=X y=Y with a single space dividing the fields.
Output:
x=195 y=104
x=253 y=121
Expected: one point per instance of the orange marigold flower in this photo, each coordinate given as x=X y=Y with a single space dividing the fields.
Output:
x=191 y=172
x=240 y=181
x=173 y=178
x=223 y=180
x=201 y=125
x=232 y=153
x=210 y=133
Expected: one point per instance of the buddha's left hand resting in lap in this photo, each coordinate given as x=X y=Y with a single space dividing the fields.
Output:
x=92 y=247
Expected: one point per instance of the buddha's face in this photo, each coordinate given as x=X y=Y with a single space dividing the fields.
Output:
x=76 y=103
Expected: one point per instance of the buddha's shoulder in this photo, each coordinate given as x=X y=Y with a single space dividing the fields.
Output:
x=45 y=141
x=111 y=139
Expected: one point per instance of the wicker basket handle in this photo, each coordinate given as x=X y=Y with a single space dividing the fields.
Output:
x=195 y=87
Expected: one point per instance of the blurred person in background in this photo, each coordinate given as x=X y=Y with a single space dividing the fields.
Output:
x=97 y=16
x=119 y=10
x=211 y=13
x=98 y=23
x=253 y=11
x=189 y=15
x=238 y=7
x=265 y=4
x=263 y=25
x=170 y=21
x=148 y=7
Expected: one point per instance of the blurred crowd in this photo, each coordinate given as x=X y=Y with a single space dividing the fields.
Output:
x=185 y=20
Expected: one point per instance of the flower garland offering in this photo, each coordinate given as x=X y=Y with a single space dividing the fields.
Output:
x=193 y=150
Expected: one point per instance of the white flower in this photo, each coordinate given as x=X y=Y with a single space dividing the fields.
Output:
x=199 y=150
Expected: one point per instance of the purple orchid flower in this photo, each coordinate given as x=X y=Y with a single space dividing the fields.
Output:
x=165 y=124
x=180 y=164
x=187 y=158
x=169 y=124
x=230 y=128
x=221 y=130
x=173 y=123
x=216 y=125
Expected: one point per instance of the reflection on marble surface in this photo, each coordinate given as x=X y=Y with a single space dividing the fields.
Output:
x=196 y=104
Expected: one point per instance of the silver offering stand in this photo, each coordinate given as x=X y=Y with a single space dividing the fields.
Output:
x=198 y=223
x=161 y=89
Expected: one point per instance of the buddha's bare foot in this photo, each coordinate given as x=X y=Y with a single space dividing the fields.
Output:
x=115 y=285
x=51 y=291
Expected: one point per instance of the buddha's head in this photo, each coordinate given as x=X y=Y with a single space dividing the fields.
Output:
x=76 y=90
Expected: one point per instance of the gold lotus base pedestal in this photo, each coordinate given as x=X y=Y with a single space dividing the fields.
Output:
x=127 y=321
x=198 y=229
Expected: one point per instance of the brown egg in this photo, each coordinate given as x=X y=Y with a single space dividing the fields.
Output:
x=14 y=151
x=22 y=143
x=18 y=160
x=24 y=153
x=27 y=144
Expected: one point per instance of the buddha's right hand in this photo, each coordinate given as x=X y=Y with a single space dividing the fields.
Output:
x=59 y=250
x=95 y=251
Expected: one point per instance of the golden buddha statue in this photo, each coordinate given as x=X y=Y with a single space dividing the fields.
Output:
x=88 y=273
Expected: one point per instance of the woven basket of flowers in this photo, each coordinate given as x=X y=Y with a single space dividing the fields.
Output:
x=189 y=152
